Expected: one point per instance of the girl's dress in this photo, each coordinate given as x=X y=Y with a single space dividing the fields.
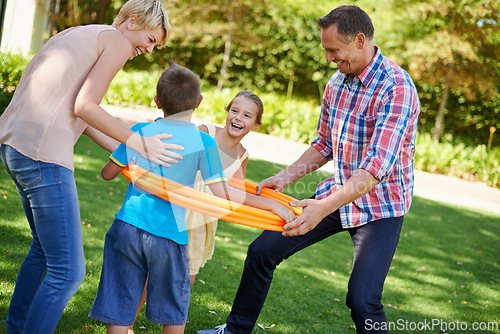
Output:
x=201 y=228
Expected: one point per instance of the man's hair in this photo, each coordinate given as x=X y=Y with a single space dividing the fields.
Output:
x=255 y=99
x=178 y=89
x=351 y=20
x=149 y=14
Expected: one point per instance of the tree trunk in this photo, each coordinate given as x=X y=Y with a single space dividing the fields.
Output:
x=440 y=116
x=103 y=7
x=227 y=51
x=225 y=60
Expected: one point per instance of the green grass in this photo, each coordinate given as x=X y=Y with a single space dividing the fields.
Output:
x=446 y=266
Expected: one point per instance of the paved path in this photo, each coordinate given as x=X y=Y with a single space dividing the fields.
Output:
x=432 y=186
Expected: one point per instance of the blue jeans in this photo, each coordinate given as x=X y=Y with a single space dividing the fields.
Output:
x=374 y=247
x=54 y=267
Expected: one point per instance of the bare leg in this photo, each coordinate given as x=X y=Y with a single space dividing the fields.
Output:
x=173 y=329
x=142 y=301
x=193 y=277
x=114 y=329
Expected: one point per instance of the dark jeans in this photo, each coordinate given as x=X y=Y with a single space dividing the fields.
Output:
x=374 y=247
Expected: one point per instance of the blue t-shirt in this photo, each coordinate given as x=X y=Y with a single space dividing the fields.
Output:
x=151 y=213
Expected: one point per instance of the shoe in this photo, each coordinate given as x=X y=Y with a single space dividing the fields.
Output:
x=217 y=330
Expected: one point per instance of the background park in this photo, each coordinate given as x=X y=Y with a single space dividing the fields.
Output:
x=446 y=266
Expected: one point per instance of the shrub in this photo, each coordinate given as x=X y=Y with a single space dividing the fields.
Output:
x=12 y=66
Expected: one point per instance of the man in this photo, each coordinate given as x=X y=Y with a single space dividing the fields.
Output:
x=367 y=128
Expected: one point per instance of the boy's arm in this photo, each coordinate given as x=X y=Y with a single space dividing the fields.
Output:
x=110 y=170
x=223 y=190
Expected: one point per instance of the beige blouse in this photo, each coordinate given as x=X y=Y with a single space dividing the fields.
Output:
x=39 y=121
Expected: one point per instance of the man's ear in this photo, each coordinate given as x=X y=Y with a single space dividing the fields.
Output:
x=360 y=40
x=199 y=101
x=157 y=101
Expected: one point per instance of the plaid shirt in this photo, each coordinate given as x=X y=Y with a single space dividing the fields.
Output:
x=370 y=122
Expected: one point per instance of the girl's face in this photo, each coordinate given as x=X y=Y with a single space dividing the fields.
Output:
x=143 y=41
x=242 y=117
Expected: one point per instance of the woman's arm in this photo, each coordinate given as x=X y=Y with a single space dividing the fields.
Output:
x=101 y=139
x=115 y=50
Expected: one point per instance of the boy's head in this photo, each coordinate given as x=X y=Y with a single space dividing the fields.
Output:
x=178 y=90
x=149 y=15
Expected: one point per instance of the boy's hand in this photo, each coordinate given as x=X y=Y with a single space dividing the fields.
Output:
x=155 y=150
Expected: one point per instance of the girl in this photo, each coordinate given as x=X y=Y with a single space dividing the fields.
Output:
x=57 y=100
x=244 y=114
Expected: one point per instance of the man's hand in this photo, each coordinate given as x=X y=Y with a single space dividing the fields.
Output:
x=313 y=212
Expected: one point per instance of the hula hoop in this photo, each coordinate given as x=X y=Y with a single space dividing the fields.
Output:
x=211 y=205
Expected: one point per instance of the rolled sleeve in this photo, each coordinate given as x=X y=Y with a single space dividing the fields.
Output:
x=389 y=134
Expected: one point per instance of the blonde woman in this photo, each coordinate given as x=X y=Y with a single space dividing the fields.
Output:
x=57 y=100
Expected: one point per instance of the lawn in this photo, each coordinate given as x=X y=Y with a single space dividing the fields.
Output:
x=446 y=269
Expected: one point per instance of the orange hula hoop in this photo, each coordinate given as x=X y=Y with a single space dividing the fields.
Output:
x=211 y=205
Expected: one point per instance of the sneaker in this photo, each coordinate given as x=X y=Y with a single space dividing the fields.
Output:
x=217 y=330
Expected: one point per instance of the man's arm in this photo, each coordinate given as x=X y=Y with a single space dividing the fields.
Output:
x=314 y=210
x=310 y=161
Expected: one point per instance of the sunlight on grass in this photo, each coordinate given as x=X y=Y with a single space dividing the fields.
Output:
x=446 y=265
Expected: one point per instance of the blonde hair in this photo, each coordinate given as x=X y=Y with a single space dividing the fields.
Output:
x=149 y=14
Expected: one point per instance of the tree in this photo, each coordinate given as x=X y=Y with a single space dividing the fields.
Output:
x=452 y=44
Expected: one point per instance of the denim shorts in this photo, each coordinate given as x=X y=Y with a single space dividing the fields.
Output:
x=129 y=255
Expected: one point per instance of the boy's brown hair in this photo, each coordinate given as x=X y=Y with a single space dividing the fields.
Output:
x=178 y=90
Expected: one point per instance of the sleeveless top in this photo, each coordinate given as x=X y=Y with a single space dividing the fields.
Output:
x=40 y=122
x=230 y=165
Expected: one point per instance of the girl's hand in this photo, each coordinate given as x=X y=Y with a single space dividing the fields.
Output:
x=155 y=150
x=285 y=213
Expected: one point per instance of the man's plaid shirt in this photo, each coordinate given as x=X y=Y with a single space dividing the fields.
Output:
x=370 y=122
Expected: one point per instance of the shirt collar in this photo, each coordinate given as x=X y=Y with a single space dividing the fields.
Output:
x=173 y=122
x=369 y=72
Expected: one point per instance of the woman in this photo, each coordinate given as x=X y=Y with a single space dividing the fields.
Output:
x=57 y=100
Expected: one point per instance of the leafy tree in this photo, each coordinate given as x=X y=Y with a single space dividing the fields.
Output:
x=452 y=44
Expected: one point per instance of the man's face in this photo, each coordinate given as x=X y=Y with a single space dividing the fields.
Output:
x=346 y=56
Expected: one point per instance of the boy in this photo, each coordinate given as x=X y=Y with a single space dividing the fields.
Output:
x=149 y=236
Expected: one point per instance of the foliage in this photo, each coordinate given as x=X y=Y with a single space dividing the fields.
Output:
x=11 y=69
x=467 y=121
x=428 y=279
x=470 y=163
x=452 y=44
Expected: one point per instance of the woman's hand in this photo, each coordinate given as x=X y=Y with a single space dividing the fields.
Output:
x=154 y=149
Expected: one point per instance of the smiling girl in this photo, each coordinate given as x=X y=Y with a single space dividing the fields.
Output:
x=57 y=100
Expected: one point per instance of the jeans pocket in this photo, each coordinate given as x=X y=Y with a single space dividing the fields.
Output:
x=25 y=171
